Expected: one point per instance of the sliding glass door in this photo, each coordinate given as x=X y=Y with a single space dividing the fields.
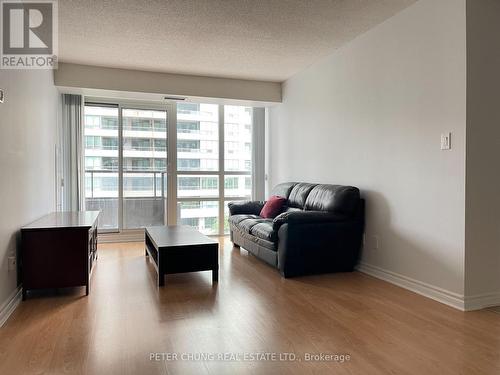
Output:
x=144 y=166
x=126 y=165
x=238 y=144
x=150 y=165
x=101 y=134
x=198 y=166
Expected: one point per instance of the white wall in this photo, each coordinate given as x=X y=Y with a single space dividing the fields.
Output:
x=371 y=115
x=28 y=120
x=483 y=151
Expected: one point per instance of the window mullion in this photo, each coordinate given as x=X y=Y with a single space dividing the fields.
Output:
x=120 y=168
x=172 y=218
x=221 y=169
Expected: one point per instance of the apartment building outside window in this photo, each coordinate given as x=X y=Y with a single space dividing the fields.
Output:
x=128 y=153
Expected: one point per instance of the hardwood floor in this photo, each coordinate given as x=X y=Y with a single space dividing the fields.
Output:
x=384 y=329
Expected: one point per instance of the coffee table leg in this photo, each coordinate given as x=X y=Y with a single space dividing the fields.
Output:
x=161 y=272
x=215 y=274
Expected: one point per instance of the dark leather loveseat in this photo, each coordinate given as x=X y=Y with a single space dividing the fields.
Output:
x=320 y=229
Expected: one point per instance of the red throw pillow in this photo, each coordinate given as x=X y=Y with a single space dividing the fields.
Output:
x=273 y=207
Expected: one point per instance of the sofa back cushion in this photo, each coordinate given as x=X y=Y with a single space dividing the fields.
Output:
x=298 y=195
x=283 y=190
x=273 y=207
x=339 y=199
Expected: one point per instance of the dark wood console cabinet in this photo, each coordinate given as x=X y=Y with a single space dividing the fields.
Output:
x=59 y=251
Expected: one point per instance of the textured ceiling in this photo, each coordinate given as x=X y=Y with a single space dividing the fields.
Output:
x=252 y=39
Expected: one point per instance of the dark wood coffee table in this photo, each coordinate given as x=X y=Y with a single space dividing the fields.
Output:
x=176 y=249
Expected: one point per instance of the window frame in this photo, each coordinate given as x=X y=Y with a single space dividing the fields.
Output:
x=172 y=168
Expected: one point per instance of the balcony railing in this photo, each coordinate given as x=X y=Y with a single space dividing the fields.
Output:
x=147 y=184
x=145 y=148
x=101 y=147
x=143 y=202
x=101 y=126
x=145 y=128
x=187 y=149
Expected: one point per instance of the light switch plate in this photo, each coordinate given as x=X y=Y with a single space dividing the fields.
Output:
x=446 y=141
x=1 y=96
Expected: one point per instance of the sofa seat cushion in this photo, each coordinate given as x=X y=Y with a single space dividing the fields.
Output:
x=247 y=241
x=247 y=224
x=236 y=219
x=264 y=230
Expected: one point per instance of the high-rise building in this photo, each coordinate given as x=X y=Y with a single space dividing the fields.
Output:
x=144 y=141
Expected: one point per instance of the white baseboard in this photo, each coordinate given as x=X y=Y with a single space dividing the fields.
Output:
x=458 y=301
x=427 y=290
x=495 y=309
x=482 y=301
x=124 y=236
x=10 y=305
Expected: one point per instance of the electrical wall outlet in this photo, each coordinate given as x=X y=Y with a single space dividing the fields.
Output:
x=376 y=242
x=12 y=263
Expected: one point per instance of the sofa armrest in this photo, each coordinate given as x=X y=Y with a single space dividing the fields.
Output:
x=245 y=207
x=303 y=217
x=319 y=247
